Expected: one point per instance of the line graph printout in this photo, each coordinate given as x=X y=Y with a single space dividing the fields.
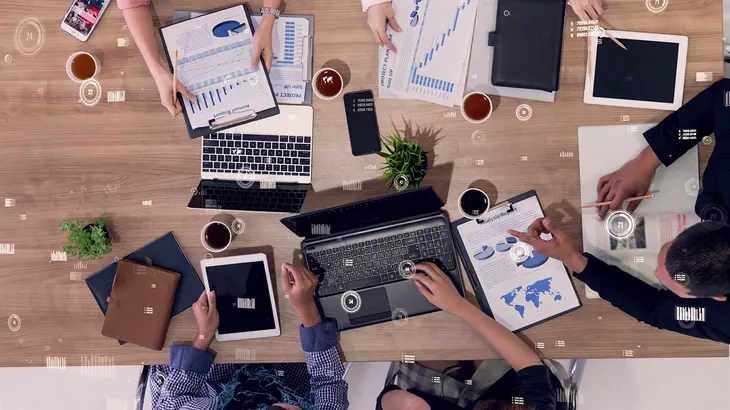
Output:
x=433 y=50
x=214 y=63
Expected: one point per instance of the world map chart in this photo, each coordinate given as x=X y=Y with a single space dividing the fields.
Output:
x=534 y=293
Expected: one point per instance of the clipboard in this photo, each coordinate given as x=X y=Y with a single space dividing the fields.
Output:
x=308 y=47
x=231 y=120
x=504 y=207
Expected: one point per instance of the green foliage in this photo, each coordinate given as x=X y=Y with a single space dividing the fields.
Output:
x=403 y=158
x=90 y=243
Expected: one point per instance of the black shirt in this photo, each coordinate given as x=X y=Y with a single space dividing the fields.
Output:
x=535 y=384
x=707 y=113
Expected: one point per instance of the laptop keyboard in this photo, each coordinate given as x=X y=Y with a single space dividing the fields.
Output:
x=375 y=262
x=262 y=154
x=254 y=199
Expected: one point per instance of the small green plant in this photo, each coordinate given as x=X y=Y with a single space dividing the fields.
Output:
x=403 y=159
x=89 y=242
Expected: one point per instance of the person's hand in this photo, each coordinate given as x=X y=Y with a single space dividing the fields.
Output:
x=299 y=284
x=632 y=179
x=436 y=286
x=206 y=316
x=263 y=43
x=163 y=79
x=378 y=14
x=587 y=9
x=558 y=247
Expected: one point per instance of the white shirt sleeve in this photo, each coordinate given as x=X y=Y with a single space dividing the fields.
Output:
x=367 y=3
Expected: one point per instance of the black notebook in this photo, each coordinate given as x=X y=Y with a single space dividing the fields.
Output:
x=165 y=253
x=528 y=41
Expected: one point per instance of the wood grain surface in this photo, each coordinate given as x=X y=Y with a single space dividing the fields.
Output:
x=62 y=159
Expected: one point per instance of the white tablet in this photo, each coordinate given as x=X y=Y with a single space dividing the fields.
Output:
x=648 y=74
x=244 y=296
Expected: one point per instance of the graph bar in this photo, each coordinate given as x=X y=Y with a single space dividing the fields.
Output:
x=437 y=46
x=205 y=101
x=443 y=37
x=211 y=97
x=219 y=94
x=456 y=18
x=449 y=33
x=191 y=107
x=430 y=56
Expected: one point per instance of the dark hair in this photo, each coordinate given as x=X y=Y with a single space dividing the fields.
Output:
x=703 y=255
x=499 y=405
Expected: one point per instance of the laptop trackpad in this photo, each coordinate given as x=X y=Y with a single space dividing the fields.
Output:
x=375 y=306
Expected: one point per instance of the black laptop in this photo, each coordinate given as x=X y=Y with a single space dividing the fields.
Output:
x=361 y=247
x=261 y=196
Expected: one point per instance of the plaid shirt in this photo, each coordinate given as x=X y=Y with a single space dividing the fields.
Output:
x=193 y=382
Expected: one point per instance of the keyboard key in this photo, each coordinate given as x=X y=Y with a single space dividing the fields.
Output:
x=301 y=146
x=420 y=231
x=306 y=169
x=292 y=139
x=287 y=160
x=237 y=144
x=237 y=137
x=278 y=153
x=210 y=143
x=304 y=154
x=249 y=152
x=280 y=160
x=304 y=161
x=207 y=165
x=245 y=144
x=256 y=152
x=220 y=158
x=224 y=165
x=249 y=159
x=231 y=144
x=208 y=150
x=289 y=146
x=295 y=160
x=253 y=167
x=412 y=255
x=219 y=150
x=271 y=152
x=299 y=168
x=283 y=138
x=300 y=139
x=275 y=145
x=286 y=153
x=255 y=137
x=229 y=136
x=267 y=145
x=277 y=167
x=226 y=150
x=410 y=241
x=307 y=139
x=228 y=158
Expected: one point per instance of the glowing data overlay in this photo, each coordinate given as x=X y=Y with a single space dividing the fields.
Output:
x=214 y=63
x=433 y=50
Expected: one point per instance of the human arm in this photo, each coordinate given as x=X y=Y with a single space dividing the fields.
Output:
x=319 y=340
x=381 y=12
x=587 y=9
x=440 y=291
x=634 y=297
x=262 y=38
x=139 y=22
x=665 y=147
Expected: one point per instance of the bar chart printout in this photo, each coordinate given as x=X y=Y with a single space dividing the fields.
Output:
x=433 y=51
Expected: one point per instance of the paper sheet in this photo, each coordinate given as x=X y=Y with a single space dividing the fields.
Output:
x=214 y=62
x=604 y=149
x=433 y=51
x=519 y=294
x=291 y=58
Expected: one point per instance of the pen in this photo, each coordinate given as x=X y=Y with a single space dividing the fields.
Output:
x=636 y=198
x=174 y=81
x=615 y=40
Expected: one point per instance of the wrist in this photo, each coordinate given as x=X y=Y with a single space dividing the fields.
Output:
x=648 y=159
x=309 y=314
x=576 y=262
x=202 y=344
x=464 y=309
x=158 y=71
x=267 y=20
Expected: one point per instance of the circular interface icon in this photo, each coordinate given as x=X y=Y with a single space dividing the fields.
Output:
x=523 y=112
x=401 y=182
x=245 y=178
x=228 y=79
x=253 y=79
x=600 y=32
x=208 y=255
x=713 y=217
x=620 y=224
x=681 y=278
x=194 y=191
x=707 y=140
x=238 y=226
x=687 y=324
x=399 y=317
x=478 y=137
x=90 y=92
x=29 y=36
x=520 y=252
x=116 y=259
x=657 y=6
x=351 y=301
x=8 y=58
x=406 y=269
x=14 y=322
x=692 y=187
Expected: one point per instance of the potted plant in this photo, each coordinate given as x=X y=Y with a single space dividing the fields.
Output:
x=405 y=163
x=90 y=241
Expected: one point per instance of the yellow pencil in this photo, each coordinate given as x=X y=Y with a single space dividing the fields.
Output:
x=636 y=198
x=174 y=80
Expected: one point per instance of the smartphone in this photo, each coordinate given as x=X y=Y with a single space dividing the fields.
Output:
x=82 y=17
x=362 y=122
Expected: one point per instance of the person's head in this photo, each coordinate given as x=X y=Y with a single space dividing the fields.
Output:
x=499 y=405
x=696 y=264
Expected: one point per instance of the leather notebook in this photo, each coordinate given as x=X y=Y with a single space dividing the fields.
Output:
x=165 y=253
x=528 y=42
x=140 y=304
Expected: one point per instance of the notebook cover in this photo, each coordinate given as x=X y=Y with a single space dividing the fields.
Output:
x=527 y=44
x=140 y=304
x=165 y=253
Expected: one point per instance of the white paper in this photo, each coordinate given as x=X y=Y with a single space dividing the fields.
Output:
x=291 y=58
x=519 y=294
x=603 y=150
x=433 y=50
x=214 y=63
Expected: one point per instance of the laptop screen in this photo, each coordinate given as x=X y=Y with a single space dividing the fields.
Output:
x=332 y=221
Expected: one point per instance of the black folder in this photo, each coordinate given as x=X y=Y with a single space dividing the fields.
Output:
x=165 y=253
x=528 y=41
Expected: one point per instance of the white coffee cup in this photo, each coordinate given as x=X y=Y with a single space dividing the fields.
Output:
x=471 y=120
x=71 y=59
x=315 y=79
x=205 y=243
x=469 y=215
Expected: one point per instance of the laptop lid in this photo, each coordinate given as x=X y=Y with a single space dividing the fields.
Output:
x=229 y=195
x=375 y=211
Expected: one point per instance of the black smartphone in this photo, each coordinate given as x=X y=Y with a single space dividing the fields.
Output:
x=362 y=122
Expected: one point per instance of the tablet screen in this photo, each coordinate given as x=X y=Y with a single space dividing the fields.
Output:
x=242 y=297
x=645 y=71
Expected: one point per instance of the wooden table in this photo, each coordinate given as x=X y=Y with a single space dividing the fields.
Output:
x=62 y=159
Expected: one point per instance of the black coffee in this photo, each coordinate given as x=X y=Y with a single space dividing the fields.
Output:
x=474 y=203
x=217 y=235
